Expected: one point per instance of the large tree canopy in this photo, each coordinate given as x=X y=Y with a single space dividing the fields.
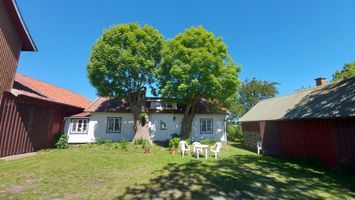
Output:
x=252 y=91
x=123 y=62
x=348 y=71
x=195 y=64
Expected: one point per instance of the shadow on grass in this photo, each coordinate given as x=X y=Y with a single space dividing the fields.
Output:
x=242 y=176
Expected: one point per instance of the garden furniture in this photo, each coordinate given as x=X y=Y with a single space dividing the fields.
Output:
x=216 y=149
x=184 y=147
x=259 y=146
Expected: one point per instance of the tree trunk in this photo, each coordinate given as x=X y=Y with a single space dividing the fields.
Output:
x=137 y=101
x=189 y=115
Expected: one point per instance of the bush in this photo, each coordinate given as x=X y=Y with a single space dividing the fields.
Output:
x=175 y=135
x=174 y=143
x=138 y=141
x=124 y=144
x=100 y=140
x=146 y=144
x=208 y=141
x=62 y=142
x=234 y=133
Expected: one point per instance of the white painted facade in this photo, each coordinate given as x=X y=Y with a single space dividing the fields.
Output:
x=97 y=127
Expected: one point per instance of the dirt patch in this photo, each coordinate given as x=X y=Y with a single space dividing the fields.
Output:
x=18 y=188
x=97 y=182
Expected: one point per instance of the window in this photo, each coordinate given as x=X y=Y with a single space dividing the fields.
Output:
x=206 y=126
x=162 y=125
x=113 y=125
x=79 y=125
x=167 y=105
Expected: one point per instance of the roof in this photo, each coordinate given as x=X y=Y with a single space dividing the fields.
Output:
x=20 y=26
x=30 y=87
x=106 y=104
x=336 y=100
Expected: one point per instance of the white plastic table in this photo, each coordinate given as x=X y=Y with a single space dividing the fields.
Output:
x=205 y=147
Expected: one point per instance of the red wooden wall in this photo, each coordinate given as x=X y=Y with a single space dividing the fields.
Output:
x=10 y=48
x=28 y=125
x=313 y=138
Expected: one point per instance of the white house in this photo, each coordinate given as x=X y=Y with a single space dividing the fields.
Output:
x=111 y=119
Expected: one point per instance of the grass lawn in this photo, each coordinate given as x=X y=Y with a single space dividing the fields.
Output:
x=102 y=172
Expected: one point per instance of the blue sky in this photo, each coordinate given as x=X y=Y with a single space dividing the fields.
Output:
x=290 y=42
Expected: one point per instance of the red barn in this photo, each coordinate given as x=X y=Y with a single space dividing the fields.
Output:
x=317 y=122
x=33 y=113
x=14 y=38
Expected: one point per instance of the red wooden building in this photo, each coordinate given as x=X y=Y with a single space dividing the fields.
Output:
x=14 y=38
x=31 y=111
x=317 y=122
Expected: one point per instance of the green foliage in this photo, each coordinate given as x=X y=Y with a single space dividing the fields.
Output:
x=251 y=92
x=196 y=64
x=62 y=142
x=174 y=143
x=234 y=133
x=143 y=117
x=100 y=140
x=124 y=144
x=348 y=71
x=124 y=59
x=188 y=141
x=146 y=144
x=138 y=141
x=208 y=141
x=174 y=135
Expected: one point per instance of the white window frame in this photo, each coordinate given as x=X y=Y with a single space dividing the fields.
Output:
x=75 y=122
x=206 y=125
x=114 y=124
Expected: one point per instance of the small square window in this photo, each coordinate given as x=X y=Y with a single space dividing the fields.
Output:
x=162 y=125
x=206 y=126
x=113 y=125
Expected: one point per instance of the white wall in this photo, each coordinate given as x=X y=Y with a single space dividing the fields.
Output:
x=172 y=126
x=98 y=123
x=79 y=138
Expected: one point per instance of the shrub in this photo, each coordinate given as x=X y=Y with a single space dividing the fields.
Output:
x=138 y=141
x=234 y=133
x=188 y=141
x=175 y=135
x=100 y=140
x=174 y=143
x=146 y=144
x=62 y=142
x=124 y=144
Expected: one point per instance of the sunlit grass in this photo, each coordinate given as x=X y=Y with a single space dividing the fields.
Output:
x=105 y=172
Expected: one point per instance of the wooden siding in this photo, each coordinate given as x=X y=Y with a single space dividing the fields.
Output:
x=344 y=132
x=309 y=138
x=28 y=125
x=10 y=48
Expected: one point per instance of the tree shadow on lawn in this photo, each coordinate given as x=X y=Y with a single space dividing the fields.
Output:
x=240 y=176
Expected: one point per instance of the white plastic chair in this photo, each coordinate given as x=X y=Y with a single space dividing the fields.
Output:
x=216 y=149
x=184 y=147
x=197 y=149
x=259 y=146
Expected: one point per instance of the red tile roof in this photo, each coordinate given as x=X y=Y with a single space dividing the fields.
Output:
x=30 y=87
x=105 y=104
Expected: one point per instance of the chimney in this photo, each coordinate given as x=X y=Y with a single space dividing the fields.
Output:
x=321 y=81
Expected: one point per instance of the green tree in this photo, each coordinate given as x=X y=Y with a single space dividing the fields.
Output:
x=252 y=91
x=348 y=71
x=123 y=62
x=195 y=64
